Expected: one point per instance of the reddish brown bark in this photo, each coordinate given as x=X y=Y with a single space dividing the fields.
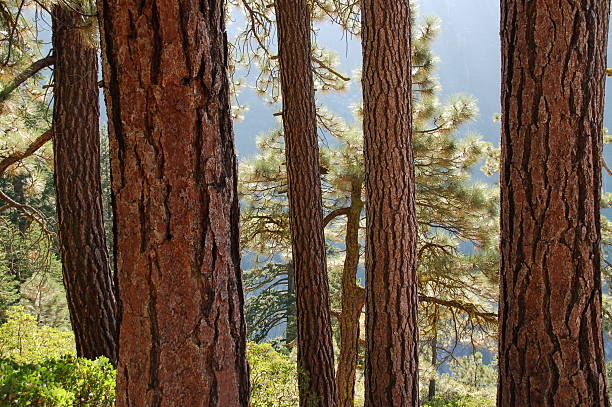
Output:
x=553 y=64
x=82 y=242
x=182 y=334
x=352 y=303
x=315 y=350
x=391 y=237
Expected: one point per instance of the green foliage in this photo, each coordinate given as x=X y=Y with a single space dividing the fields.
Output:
x=470 y=383
x=30 y=274
x=23 y=340
x=463 y=401
x=273 y=377
x=63 y=382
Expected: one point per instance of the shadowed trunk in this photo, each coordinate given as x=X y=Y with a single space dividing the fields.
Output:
x=291 y=330
x=173 y=166
x=391 y=377
x=553 y=64
x=352 y=303
x=431 y=391
x=315 y=350
x=82 y=242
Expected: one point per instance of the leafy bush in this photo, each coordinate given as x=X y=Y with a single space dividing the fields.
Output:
x=465 y=401
x=23 y=340
x=273 y=377
x=63 y=382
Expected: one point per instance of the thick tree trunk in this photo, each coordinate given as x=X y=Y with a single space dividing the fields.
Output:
x=553 y=64
x=85 y=261
x=352 y=303
x=391 y=238
x=315 y=350
x=182 y=336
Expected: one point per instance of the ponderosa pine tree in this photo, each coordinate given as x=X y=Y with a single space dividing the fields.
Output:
x=314 y=334
x=391 y=371
x=173 y=164
x=553 y=65
x=458 y=290
x=86 y=268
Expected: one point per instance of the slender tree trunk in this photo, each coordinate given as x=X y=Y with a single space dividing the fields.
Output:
x=82 y=242
x=553 y=64
x=431 y=393
x=391 y=238
x=19 y=191
x=182 y=336
x=315 y=349
x=291 y=331
x=352 y=303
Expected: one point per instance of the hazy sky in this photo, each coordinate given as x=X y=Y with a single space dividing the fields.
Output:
x=469 y=50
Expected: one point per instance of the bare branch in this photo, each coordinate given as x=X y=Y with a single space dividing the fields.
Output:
x=334 y=214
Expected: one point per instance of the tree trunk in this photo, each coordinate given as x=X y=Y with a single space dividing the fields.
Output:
x=431 y=393
x=86 y=268
x=183 y=335
x=19 y=190
x=553 y=64
x=291 y=330
x=391 y=238
x=315 y=349
x=352 y=303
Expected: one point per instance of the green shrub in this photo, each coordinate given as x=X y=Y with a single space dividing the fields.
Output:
x=23 y=340
x=273 y=377
x=63 y=382
x=465 y=401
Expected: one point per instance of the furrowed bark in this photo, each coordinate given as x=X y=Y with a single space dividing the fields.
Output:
x=182 y=336
x=86 y=265
x=391 y=237
x=550 y=325
x=315 y=349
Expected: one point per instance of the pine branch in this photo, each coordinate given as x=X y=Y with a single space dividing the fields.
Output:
x=334 y=214
x=28 y=211
x=25 y=75
x=32 y=148
x=471 y=309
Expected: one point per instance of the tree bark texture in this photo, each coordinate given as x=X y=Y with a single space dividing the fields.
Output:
x=173 y=165
x=391 y=238
x=553 y=65
x=352 y=303
x=86 y=267
x=315 y=350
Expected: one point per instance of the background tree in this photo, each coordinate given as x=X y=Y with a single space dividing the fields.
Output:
x=81 y=236
x=175 y=205
x=551 y=346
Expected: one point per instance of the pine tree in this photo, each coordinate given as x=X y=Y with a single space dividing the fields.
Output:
x=391 y=372
x=451 y=209
x=82 y=242
x=173 y=165
x=314 y=336
x=551 y=347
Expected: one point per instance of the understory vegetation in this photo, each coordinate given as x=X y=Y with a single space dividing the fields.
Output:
x=39 y=367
